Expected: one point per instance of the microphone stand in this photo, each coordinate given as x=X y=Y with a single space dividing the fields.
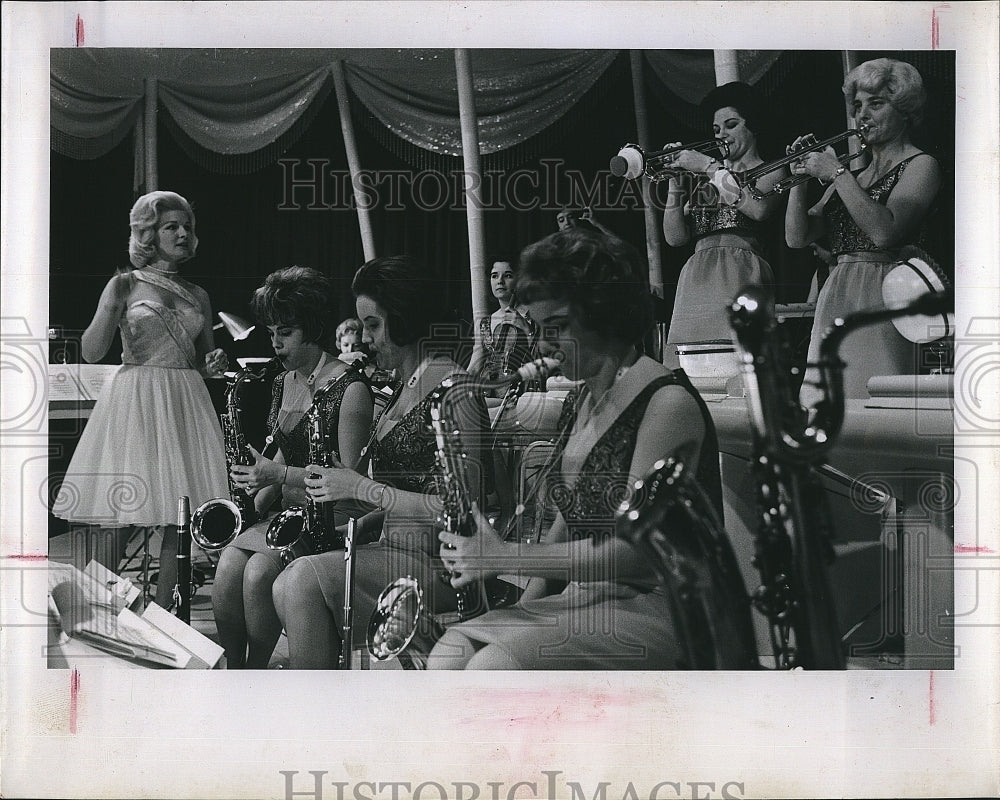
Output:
x=182 y=590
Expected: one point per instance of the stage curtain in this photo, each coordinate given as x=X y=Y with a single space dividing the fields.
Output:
x=236 y=103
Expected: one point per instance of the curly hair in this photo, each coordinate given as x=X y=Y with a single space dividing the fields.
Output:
x=143 y=220
x=299 y=297
x=900 y=81
x=410 y=295
x=603 y=278
x=349 y=325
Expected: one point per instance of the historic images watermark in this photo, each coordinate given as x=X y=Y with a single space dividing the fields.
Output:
x=313 y=184
x=548 y=785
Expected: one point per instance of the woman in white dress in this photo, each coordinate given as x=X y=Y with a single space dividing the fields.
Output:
x=153 y=434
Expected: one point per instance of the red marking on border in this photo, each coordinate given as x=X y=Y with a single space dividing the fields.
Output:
x=74 y=690
x=936 y=26
x=79 y=31
x=971 y=548
x=29 y=557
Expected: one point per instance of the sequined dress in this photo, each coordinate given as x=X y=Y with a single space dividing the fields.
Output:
x=598 y=622
x=290 y=432
x=153 y=435
x=403 y=458
x=726 y=258
x=854 y=284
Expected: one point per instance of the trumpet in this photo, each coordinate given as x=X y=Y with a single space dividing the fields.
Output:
x=632 y=161
x=748 y=178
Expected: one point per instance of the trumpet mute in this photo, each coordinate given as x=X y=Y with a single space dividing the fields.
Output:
x=629 y=163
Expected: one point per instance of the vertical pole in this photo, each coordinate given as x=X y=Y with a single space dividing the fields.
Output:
x=149 y=134
x=472 y=176
x=653 y=228
x=727 y=66
x=353 y=160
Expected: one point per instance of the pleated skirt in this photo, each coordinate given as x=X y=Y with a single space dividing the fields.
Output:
x=152 y=437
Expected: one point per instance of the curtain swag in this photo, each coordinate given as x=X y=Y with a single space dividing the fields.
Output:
x=244 y=103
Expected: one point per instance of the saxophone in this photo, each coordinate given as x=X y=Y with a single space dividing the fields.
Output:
x=311 y=529
x=215 y=523
x=400 y=605
x=671 y=523
x=793 y=544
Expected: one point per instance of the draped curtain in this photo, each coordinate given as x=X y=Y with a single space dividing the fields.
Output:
x=237 y=110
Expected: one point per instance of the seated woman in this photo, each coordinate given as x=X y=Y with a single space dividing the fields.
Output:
x=294 y=304
x=590 y=297
x=398 y=303
x=507 y=337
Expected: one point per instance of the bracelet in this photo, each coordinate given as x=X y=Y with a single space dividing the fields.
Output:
x=840 y=171
x=718 y=165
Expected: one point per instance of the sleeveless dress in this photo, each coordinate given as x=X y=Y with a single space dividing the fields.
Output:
x=289 y=425
x=855 y=284
x=726 y=258
x=508 y=345
x=597 y=622
x=405 y=459
x=153 y=434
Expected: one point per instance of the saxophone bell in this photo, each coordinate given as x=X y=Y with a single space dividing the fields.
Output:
x=216 y=523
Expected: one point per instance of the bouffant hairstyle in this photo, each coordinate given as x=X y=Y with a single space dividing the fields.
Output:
x=349 y=325
x=900 y=82
x=410 y=296
x=751 y=105
x=143 y=219
x=603 y=278
x=299 y=297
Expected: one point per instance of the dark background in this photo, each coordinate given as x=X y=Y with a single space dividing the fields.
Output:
x=244 y=233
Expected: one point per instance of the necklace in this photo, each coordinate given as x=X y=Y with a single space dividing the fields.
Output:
x=594 y=406
x=168 y=272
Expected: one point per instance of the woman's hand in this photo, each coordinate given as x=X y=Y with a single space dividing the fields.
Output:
x=821 y=164
x=693 y=161
x=329 y=484
x=253 y=477
x=216 y=363
x=469 y=558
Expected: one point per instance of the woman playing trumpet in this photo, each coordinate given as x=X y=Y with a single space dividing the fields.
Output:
x=867 y=214
x=725 y=222
x=398 y=304
x=294 y=304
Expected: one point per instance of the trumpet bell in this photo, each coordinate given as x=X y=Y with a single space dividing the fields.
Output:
x=394 y=622
x=630 y=163
x=216 y=523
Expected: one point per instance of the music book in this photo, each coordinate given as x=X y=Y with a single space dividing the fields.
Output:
x=90 y=612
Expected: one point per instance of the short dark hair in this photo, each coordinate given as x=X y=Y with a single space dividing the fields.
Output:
x=749 y=102
x=411 y=297
x=603 y=278
x=299 y=297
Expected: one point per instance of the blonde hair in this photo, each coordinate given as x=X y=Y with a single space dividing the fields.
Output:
x=900 y=81
x=349 y=325
x=143 y=219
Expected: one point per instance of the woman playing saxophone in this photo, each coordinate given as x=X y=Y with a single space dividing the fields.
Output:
x=398 y=304
x=294 y=304
x=592 y=601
